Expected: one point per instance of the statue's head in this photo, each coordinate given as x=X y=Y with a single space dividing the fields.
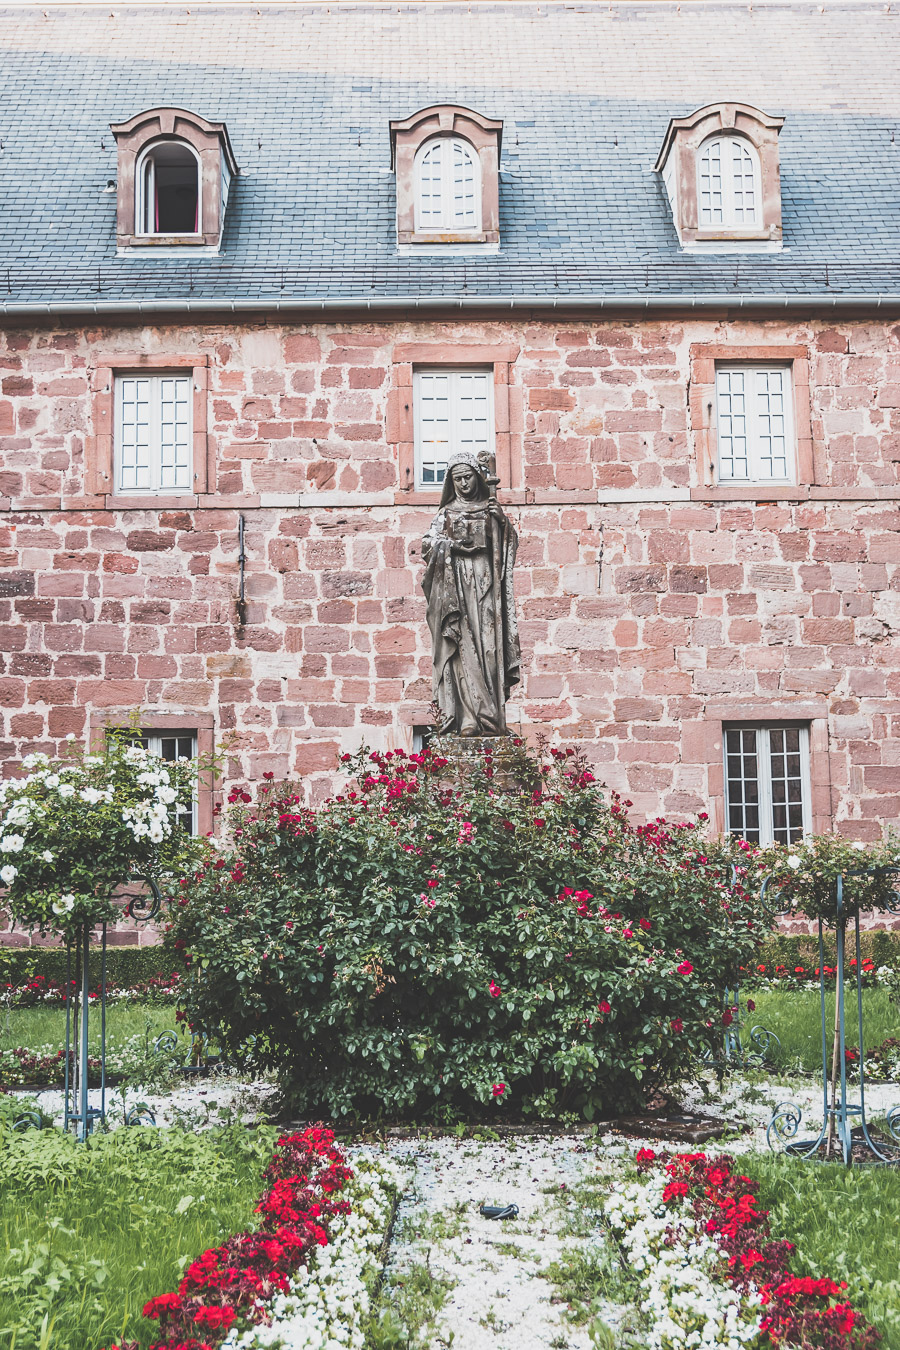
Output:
x=464 y=480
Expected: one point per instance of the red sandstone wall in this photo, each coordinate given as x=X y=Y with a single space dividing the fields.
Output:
x=704 y=608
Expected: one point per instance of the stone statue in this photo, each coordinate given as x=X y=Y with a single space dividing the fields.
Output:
x=470 y=551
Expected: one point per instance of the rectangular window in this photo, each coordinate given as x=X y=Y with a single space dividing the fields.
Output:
x=754 y=424
x=171 y=746
x=153 y=435
x=453 y=411
x=767 y=784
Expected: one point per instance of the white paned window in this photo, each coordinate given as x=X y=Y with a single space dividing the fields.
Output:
x=153 y=439
x=754 y=430
x=728 y=184
x=447 y=186
x=172 y=746
x=167 y=184
x=453 y=411
x=767 y=796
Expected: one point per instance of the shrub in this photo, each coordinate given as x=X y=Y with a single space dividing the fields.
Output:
x=416 y=948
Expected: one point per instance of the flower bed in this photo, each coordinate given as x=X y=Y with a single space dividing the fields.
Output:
x=298 y=1278
x=710 y=1273
x=41 y=992
x=776 y=976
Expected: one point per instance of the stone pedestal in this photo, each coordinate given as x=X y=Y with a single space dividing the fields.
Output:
x=507 y=766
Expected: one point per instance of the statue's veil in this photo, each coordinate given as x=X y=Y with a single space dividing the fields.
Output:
x=464 y=457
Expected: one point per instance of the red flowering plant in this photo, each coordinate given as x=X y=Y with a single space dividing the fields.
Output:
x=428 y=934
x=237 y=1281
x=795 y=1310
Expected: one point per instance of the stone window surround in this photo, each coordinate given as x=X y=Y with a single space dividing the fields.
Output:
x=450 y=119
x=703 y=743
x=209 y=141
x=683 y=139
x=200 y=724
x=704 y=357
x=508 y=412
x=100 y=447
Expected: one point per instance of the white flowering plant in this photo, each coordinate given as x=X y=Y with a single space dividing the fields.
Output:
x=804 y=875
x=73 y=830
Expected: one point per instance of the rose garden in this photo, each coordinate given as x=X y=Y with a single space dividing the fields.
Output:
x=467 y=979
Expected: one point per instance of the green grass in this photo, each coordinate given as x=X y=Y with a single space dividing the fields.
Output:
x=844 y=1224
x=795 y=1018
x=35 y=1027
x=80 y=1257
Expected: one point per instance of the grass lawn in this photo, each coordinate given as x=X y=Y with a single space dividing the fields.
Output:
x=844 y=1224
x=795 y=1018
x=35 y=1027
x=88 y=1235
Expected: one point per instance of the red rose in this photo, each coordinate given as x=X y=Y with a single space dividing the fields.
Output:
x=676 y=1025
x=727 y=1017
x=603 y=1006
x=498 y=1089
x=494 y=989
x=685 y=968
x=645 y=924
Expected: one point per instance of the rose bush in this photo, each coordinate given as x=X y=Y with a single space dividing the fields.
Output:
x=421 y=939
x=803 y=876
x=73 y=830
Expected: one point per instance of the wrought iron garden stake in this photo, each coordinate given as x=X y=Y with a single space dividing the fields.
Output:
x=837 y=1110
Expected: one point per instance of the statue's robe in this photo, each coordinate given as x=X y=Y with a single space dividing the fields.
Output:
x=471 y=614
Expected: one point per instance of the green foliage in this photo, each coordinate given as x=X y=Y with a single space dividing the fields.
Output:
x=89 y=1232
x=75 y=829
x=412 y=945
x=804 y=875
x=801 y=949
x=844 y=1223
x=131 y=1030
x=125 y=966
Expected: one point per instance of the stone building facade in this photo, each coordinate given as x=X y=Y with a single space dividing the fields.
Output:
x=275 y=605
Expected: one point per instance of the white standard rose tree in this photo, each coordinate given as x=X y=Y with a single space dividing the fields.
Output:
x=75 y=829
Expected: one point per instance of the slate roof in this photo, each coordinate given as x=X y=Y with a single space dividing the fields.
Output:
x=585 y=91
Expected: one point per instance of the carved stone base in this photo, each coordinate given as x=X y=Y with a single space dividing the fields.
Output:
x=507 y=767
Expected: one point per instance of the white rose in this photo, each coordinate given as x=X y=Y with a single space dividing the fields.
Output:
x=13 y=843
x=47 y=856
x=856 y=844
x=8 y=874
x=66 y=790
x=794 y=862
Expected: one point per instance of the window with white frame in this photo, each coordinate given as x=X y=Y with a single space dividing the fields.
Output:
x=153 y=433
x=728 y=183
x=453 y=411
x=754 y=424
x=171 y=746
x=448 y=186
x=767 y=795
x=167 y=184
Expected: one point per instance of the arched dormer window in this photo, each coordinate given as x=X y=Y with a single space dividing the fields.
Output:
x=448 y=188
x=720 y=169
x=447 y=162
x=167 y=183
x=175 y=172
x=728 y=187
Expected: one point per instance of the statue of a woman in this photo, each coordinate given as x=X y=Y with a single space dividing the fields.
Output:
x=469 y=552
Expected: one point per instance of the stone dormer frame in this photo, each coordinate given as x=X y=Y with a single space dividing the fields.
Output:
x=210 y=145
x=678 y=164
x=447 y=120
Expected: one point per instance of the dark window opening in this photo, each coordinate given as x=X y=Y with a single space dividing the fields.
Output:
x=171 y=191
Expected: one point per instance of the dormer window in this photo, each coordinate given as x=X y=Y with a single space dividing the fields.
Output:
x=447 y=161
x=175 y=173
x=728 y=183
x=448 y=190
x=168 y=189
x=721 y=174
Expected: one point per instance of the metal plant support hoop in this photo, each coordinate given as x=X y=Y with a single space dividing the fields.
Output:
x=838 y=1111
x=77 y=1111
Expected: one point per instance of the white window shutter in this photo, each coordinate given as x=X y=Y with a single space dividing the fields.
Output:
x=434 y=411
x=731 y=423
x=464 y=187
x=473 y=411
x=430 y=193
x=174 y=432
x=135 y=434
